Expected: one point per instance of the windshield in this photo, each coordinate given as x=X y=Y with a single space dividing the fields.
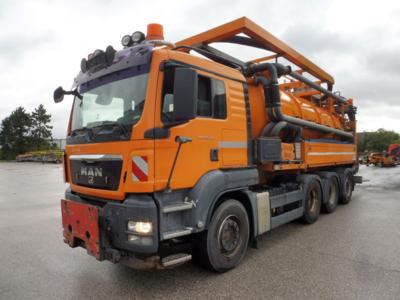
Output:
x=116 y=99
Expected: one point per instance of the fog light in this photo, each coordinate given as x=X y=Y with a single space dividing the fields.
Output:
x=140 y=240
x=132 y=238
x=140 y=227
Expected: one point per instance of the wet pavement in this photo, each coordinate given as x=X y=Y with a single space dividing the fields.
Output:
x=353 y=253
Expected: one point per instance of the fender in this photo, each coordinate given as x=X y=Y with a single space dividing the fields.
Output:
x=211 y=186
x=305 y=179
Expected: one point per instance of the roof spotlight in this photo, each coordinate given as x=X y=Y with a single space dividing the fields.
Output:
x=84 y=65
x=97 y=52
x=126 y=40
x=110 y=54
x=138 y=37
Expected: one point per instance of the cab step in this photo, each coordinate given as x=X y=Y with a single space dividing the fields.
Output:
x=177 y=207
x=175 y=260
x=177 y=233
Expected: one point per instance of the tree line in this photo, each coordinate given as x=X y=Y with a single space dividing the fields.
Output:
x=22 y=132
x=377 y=141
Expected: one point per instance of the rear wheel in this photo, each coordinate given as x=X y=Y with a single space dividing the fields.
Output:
x=224 y=244
x=312 y=201
x=347 y=187
x=332 y=194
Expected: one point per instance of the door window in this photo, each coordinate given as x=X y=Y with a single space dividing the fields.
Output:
x=211 y=97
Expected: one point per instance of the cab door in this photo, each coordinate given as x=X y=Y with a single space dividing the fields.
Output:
x=200 y=153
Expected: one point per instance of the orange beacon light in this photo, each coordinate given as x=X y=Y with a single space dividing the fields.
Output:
x=155 y=32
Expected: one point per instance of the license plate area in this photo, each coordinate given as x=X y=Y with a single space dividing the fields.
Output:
x=81 y=226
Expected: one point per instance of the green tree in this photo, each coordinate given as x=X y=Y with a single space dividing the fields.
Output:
x=15 y=134
x=41 y=128
x=378 y=141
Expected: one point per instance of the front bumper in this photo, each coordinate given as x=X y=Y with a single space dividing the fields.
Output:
x=102 y=228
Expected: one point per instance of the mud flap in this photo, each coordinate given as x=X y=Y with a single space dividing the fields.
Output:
x=358 y=179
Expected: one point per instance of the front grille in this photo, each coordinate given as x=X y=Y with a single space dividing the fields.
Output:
x=96 y=173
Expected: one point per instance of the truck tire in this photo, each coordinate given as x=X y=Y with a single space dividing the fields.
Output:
x=347 y=186
x=331 y=192
x=223 y=246
x=312 y=199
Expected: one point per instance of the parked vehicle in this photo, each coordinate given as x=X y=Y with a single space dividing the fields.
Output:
x=380 y=160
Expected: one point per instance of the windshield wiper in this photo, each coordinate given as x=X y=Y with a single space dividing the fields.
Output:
x=83 y=129
x=112 y=124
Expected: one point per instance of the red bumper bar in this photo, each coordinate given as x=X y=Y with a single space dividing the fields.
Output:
x=81 y=226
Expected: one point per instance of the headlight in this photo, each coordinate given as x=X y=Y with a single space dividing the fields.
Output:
x=140 y=227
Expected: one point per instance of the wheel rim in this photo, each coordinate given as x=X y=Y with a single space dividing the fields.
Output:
x=332 y=193
x=312 y=202
x=229 y=235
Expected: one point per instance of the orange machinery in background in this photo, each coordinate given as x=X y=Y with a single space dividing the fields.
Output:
x=380 y=160
x=181 y=150
x=394 y=152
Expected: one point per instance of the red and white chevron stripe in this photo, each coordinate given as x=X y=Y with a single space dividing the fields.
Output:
x=140 y=170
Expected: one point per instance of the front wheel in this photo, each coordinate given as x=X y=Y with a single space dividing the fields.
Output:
x=224 y=244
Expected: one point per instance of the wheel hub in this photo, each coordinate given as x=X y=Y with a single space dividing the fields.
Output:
x=229 y=235
x=348 y=188
x=332 y=193
x=312 y=200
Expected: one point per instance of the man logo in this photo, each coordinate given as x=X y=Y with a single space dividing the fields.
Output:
x=94 y=172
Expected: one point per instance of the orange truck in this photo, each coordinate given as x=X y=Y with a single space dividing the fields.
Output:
x=180 y=150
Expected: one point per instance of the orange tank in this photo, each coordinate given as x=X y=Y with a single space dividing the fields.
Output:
x=294 y=106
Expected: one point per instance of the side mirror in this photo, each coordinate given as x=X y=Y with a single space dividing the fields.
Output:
x=58 y=95
x=185 y=94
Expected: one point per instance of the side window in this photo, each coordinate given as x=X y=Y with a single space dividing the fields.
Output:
x=204 y=97
x=211 y=97
x=219 y=99
x=168 y=95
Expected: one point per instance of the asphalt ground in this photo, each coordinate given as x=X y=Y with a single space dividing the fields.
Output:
x=353 y=253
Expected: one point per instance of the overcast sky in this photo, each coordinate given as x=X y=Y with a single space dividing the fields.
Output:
x=358 y=42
